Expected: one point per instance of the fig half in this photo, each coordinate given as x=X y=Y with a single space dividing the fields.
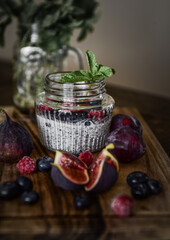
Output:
x=103 y=172
x=69 y=172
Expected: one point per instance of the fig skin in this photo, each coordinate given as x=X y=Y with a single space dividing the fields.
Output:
x=129 y=145
x=106 y=180
x=15 y=141
x=123 y=120
x=60 y=180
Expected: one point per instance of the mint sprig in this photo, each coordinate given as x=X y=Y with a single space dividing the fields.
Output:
x=96 y=71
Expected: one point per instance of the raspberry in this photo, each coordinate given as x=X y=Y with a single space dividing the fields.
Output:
x=96 y=114
x=122 y=206
x=43 y=108
x=86 y=157
x=26 y=165
x=69 y=104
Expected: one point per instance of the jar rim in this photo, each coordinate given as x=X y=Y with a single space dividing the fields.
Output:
x=73 y=83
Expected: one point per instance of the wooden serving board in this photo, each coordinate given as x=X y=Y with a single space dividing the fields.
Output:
x=55 y=203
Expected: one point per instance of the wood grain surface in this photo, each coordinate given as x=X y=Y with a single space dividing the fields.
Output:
x=54 y=215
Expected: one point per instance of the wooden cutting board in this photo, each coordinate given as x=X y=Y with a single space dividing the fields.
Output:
x=55 y=202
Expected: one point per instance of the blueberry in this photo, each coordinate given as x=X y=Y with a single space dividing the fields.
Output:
x=48 y=124
x=136 y=177
x=82 y=116
x=24 y=183
x=68 y=117
x=140 y=190
x=154 y=186
x=9 y=190
x=62 y=117
x=29 y=197
x=81 y=202
x=88 y=123
x=44 y=163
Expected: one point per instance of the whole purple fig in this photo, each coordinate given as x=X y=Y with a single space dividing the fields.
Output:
x=128 y=144
x=15 y=141
x=123 y=120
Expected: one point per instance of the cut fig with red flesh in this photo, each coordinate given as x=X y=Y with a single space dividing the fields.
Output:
x=103 y=171
x=68 y=172
x=106 y=155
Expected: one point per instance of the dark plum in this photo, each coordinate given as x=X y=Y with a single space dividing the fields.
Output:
x=24 y=183
x=9 y=190
x=30 y=197
x=123 y=120
x=140 y=190
x=81 y=202
x=136 y=177
x=154 y=186
x=128 y=144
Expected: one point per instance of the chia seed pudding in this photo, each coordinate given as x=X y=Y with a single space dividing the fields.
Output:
x=73 y=117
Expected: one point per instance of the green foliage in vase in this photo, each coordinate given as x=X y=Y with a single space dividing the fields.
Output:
x=57 y=19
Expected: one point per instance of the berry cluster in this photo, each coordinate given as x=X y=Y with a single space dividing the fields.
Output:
x=27 y=165
x=22 y=185
x=142 y=186
x=72 y=115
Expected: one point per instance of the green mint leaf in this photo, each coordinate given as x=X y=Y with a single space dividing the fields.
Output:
x=98 y=77
x=76 y=76
x=106 y=71
x=93 y=65
x=97 y=71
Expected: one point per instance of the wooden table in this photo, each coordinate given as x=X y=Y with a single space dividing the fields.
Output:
x=55 y=217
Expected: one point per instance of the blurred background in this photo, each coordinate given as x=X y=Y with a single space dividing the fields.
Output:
x=132 y=36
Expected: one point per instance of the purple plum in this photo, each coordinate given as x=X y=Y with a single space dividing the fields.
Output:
x=129 y=144
x=123 y=120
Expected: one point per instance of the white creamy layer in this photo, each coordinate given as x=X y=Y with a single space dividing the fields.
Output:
x=73 y=137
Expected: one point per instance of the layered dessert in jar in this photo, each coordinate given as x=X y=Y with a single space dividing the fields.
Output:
x=73 y=116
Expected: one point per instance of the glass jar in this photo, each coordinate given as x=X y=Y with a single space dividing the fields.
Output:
x=29 y=66
x=31 y=62
x=73 y=117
